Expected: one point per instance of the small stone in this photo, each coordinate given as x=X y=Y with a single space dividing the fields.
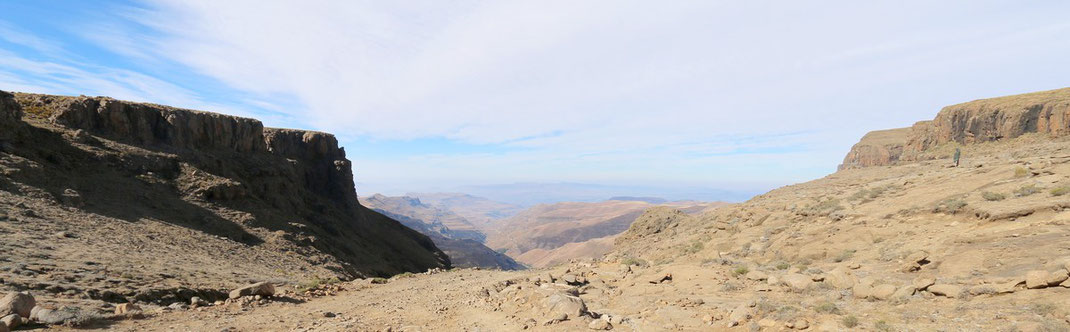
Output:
x=127 y=308
x=801 y=324
x=767 y=323
x=756 y=275
x=328 y=314
x=197 y=302
x=178 y=306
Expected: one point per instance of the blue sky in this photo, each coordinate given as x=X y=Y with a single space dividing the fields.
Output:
x=435 y=95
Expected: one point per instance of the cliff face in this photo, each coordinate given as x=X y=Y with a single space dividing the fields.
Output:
x=985 y=120
x=237 y=179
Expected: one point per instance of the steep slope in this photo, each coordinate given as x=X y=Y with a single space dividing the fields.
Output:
x=95 y=191
x=465 y=249
x=480 y=211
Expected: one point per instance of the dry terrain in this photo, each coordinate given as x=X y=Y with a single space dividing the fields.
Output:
x=905 y=243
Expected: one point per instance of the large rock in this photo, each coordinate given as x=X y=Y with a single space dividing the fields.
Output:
x=261 y=288
x=883 y=292
x=11 y=321
x=740 y=315
x=946 y=290
x=1037 y=279
x=840 y=278
x=127 y=309
x=797 y=282
x=20 y=303
x=561 y=303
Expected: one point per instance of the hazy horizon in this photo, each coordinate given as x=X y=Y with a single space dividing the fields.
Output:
x=707 y=99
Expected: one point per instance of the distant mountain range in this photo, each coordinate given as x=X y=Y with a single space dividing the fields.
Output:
x=529 y=194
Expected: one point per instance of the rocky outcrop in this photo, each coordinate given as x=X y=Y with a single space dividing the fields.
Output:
x=882 y=147
x=979 y=121
x=233 y=177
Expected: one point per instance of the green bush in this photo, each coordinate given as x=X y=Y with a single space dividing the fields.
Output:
x=316 y=283
x=950 y=206
x=991 y=196
x=883 y=326
x=634 y=261
x=783 y=266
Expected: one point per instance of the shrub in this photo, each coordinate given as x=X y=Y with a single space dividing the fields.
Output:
x=1026 y=190
x=695 y=247
x=950 y=206
x=845 y=255
x=827 y=308
x=823 y=208
x=1020 y=172
x=850 y=321
x=1059 y=191
x=740 y=270
x=991 y=196
x=379 y=280
x=731 y=287
x=882 y=326
x=634 y=261
x=316 y=283
x=1043 y=309
x=783 y=266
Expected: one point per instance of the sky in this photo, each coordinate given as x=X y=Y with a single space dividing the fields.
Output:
x=655 y=98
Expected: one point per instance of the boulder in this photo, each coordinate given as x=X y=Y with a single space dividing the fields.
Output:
x=921 y=283
x=1009 y=286
x=561 y=303
x=3 y=328
x=127 y=308
x=862 y=291
x=840 y=278
x=946 y=290
x=261 y=288
x=11 y=321
x=1037 y=279
x=798 y=282
x=740 y=315
x=1057 y=277
x=883 y=292
x=20 y=303
x=800 y=324
x=904 y=292
x=197 y=302
x=600 y=324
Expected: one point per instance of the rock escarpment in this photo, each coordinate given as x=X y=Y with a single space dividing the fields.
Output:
x=979 y=121
x=277 y=192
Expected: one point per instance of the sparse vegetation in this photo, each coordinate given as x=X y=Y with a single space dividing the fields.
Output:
x=1026 y=190
x=827 y=308
x=850 y=321
x=843 y=256
x=634 y=261
x=731 y=286
x=316 y=283
x=695 y=247
x=782 y=266
x=1020 y=172
x=865 y=195
x=379 y=281
x=882 y=326
x=1060 y=190
x=991 y=196
x=822 y=208
x=740 y=270
x=950 y=206
x=1042 y=309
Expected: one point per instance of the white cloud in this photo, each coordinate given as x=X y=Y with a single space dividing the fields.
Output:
x=667 y=89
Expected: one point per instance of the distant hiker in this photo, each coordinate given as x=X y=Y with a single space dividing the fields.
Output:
x=958 y=153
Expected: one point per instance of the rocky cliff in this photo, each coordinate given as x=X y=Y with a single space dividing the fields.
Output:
x=985 y=120
x=282 y=198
